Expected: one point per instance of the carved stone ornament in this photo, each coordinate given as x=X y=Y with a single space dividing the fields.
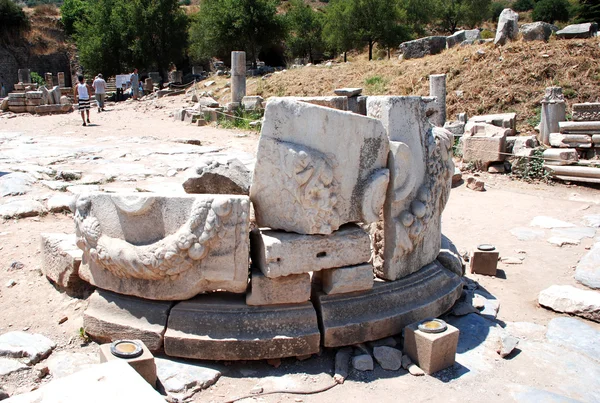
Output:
x=161 y=247
x=318 y=168
x=421 y=171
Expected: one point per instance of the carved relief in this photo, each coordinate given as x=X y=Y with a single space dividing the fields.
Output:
x=167 y=258
x=586 y=112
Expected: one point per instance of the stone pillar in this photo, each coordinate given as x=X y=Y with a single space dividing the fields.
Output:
x=61 y=80
x=437 y=88
x=48 y=80
x=24 y=75
x=238 y=76
x=554 y=110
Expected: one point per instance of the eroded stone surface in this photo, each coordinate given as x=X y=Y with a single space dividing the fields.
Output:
x=219 y=176
x=585 y=30
x=588 y=268
x=181 y=377
x=347 y=279
x=15 y=184
x=421 y=170
x=61 y=260
x=508 y=27
x=291 y=289
x=385 y=310
x=537 y=31
x=31 y=346
x=21 y=208
x=484 y=143
x=9 y=366
x=571 y=300
x=111 y=317
x=161 y=247
x=223 y=327
x=278 y=253
x=320 y=182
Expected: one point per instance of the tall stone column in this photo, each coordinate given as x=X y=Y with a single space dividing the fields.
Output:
x=61 y=79
x=48 y=79
x=238 y=76
x=437 y=88
x=554 y=110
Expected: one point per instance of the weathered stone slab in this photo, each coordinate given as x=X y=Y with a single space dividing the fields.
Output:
x=421 y=170
x=15 y=184
x=253 y=103
x=65 y=363
x=592 y=220
x=385 y=310
x=585 y=30
x=505 y=120
x=337 y=102
x=291 y=289
x=537 y=31
x=163 y=247
x=61 y=202
x=61 y=260
x=575 y=232
x=53 y=108
x=562 y=156
x=570 y=140
x=586 y=111
x=431 y=45
x=581 y=127
x=111 y=317
x=218 y=176
x=348 y=92
x=580 y=172
x=508 y=27
x=181 y=378
x=9 y=366
x=484 y=144
x=450 y=257
x=32 y=347
x=347 y=279
x=571 y=300
x=278 y=253
x=21 y=208
x=320 y=183
x=223 y=327
x=576 y=335
x=549 y=222
x=588 y=268
x=115 y=382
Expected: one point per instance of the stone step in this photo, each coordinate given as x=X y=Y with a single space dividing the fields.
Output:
x=221 y=326
x=112 y=316
x=347 y=319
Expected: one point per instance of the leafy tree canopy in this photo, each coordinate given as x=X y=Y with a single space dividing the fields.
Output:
x=551 y=11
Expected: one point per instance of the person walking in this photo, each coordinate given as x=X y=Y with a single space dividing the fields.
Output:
x=100 y=89
x=82 y=93
x=134 y=80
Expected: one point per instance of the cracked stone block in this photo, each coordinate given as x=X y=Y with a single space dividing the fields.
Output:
x=291 y=289
x=61 y=261
x=347 y=279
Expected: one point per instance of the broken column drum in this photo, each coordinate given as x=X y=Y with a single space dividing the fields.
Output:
x=437 y=88
x=553 y=111
x=320 y=175
x=238 y=76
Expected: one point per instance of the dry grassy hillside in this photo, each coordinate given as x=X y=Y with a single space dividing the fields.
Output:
x=480 y=79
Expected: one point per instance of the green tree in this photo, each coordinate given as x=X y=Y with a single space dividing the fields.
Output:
x=455 y=13
x=12 y=20
x=116 y=35
x=588 y=11
x=371 y=21
x=417 y=14
x=222 y=26
x=72 y=11
x=337 y=33
x=551 y=10
x=523 y=5
x=305 y=28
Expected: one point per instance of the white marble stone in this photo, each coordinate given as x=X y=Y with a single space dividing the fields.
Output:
x=421 y=170
x=163 y=247
x=318 y=168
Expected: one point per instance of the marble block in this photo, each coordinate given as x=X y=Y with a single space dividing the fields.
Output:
x=292 y=289
x=222 y=327
x=143 y=365
x=61 y=260
x=421 y=169
x=318 y=168
x=432 y=352
x=163 y=247
x=347 y=279
x=278 y=253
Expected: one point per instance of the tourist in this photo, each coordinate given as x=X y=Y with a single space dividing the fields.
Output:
x=134 y=79
x=100 y=89
x=82 y=93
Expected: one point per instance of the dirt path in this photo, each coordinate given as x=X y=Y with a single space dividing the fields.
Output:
x=470 y=218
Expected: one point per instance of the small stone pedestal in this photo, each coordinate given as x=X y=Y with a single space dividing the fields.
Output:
x=553 y=111
x=484 y=260
x=432 y=352
x=144 y=364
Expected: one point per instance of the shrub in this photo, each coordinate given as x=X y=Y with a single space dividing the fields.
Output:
x=36 y=78
x=496 y=9
x=12 y=19
x=531 y=168
x=523 y=5
x=375 y=85
x=551 y=10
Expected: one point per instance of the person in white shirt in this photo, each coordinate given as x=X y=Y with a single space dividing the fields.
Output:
x=100 y=89
x=82 y=92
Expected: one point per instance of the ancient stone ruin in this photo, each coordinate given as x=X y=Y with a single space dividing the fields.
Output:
x=337 y=242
